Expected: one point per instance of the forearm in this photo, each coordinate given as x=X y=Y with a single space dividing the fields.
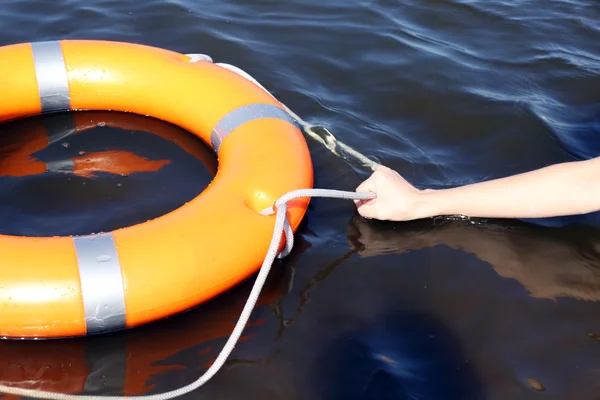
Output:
x=563 y=189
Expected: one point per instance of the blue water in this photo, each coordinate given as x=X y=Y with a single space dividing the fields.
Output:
x=118 y=187
x=446 y=92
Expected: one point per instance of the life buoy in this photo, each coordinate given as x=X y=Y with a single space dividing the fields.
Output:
x=81 y=285
x=130 y=364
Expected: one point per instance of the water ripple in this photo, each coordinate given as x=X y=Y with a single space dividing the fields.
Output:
x=445 y=91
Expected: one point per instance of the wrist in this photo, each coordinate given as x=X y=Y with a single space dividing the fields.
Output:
x=428 y=204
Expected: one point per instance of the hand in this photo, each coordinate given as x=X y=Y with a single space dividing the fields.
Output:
x=397 y=200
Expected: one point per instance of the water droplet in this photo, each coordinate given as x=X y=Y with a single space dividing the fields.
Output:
x=66 y=145
x=119 y=184
x=103 y=258
x=101 y=124
x=123 y=174
x=106 y=306
x=81 y=152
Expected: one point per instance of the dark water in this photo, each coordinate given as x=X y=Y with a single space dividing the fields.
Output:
x=121 y=169
x=446 y=92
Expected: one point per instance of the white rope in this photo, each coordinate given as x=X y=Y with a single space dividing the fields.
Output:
x=282 y=226
x=329 y=140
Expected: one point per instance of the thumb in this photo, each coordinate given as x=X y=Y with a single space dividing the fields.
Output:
x=367 y=186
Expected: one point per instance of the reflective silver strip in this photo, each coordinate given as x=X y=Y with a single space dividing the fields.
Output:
x=63 y=166
x=51 y=74
x=58 y=126
x=242 y=115
x=101 y=282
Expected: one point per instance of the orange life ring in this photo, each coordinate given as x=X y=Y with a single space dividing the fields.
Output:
x=75 y=286
x=136 y=359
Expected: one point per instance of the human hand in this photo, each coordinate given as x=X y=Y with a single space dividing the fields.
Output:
x=397 y=199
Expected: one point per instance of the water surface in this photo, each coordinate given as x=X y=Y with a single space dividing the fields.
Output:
x=446 y=92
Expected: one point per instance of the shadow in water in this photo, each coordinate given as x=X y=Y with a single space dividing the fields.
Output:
x=549 y=262
x=403 y=355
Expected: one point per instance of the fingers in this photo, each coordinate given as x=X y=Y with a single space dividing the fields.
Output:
x=367 y=208
x=369 y=184
x=370 y=208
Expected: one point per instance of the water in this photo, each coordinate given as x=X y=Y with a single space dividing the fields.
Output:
x=447 y=93
x=116 y=170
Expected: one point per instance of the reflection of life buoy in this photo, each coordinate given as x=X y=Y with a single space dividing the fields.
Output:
x=74 y=286
x=131 y=360
x=35 y=134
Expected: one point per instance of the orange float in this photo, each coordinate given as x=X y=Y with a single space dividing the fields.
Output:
x=129 y=362
x=81 y=285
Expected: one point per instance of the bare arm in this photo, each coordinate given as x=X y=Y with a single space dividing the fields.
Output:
x=563 y=189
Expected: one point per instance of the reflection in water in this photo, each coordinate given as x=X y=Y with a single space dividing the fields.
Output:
x=549 y=262
x=401 y=356
x=136 y=361
x=447 y=92
x=82 y=172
